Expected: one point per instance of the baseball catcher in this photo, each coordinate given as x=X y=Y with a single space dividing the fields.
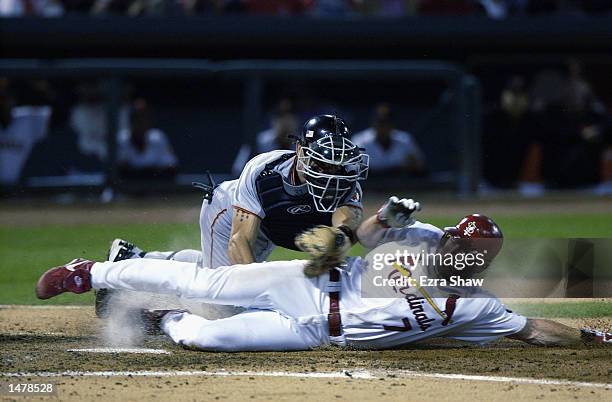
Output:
x=278 y=195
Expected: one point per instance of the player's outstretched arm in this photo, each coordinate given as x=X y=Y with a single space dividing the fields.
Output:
x=395 y=213
x=371 y=231
x=347 y=218
x=245 y=226
x=543 y=332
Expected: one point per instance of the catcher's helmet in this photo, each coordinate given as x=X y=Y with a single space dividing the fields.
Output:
x=323 y=126
x=474 y=234
x=330 y=162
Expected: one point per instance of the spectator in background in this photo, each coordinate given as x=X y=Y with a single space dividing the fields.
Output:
x=507 y=129
x=75 y=7
x=277 y=7
x=144 y=152
x=572 y=148
x=390 y=150
x=89 y=119
x=61 y=142
x=22 y=8
x=20 y=128
x=284 y=122
x=447 y=7
x=605 y=185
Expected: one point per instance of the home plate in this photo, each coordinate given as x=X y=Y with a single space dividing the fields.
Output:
x=122 y=350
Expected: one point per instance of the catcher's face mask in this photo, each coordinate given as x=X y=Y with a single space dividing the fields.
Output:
x=331 y=166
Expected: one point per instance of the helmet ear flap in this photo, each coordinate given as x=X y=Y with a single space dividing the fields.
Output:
x=451 y=231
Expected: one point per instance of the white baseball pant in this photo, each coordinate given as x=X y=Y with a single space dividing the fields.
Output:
x=285 y=310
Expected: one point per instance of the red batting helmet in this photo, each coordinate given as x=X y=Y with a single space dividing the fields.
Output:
x=474 y=233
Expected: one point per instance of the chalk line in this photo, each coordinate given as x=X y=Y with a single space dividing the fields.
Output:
x=359 y=374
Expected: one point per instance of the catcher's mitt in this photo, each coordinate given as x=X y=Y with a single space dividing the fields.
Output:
x=327 y=247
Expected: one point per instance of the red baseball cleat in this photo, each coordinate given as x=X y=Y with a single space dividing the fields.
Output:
x=73 y=277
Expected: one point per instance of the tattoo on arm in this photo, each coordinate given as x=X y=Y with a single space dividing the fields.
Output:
x=243 y=215
x=245 y=226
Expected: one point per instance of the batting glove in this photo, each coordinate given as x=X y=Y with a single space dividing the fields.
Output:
x=397 y=213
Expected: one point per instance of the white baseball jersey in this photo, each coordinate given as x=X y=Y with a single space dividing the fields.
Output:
x=403 y=146
x=414 y=314
x=157 y=152
x=216 y=218
x=29 y=125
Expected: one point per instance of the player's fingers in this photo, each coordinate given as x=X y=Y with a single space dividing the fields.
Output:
x=393 y=200
x=417 y=206
x=408 y=203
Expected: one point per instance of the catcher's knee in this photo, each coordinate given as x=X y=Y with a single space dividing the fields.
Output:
x=188 y=255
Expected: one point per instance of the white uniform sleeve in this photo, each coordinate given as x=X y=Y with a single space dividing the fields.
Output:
x=412 y=235
x=166 y=156
x=123 y=146
x=245 y=196
x=410 y=146
x=490 y=322
x=361 y=139
x=37 y=118
x=266 y=141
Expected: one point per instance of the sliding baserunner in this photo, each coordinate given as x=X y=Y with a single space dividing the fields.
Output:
x=289 y=310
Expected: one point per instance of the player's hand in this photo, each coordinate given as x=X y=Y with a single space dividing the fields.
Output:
x=327 y=247
x=397 y=213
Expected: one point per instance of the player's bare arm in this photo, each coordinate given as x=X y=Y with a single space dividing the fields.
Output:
x=245 y=226
x=394 y=213
x=541 y=332
x=347 y=218
x=370 y=232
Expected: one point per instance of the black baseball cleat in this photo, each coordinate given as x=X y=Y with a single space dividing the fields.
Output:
x=151 y=320
x=594 y=335
x=123 y=250
x=119 y=250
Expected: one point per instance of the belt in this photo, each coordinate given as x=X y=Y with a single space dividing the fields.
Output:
x=334 y=321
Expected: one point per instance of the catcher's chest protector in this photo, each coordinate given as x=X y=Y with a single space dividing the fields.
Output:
x=287 y=215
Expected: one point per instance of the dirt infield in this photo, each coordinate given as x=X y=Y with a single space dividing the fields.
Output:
x=251 y=388
x=36 y=339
